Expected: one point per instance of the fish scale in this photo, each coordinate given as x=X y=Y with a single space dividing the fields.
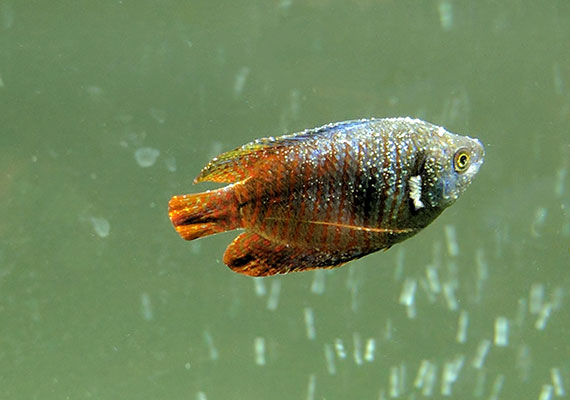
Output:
x=322 y=197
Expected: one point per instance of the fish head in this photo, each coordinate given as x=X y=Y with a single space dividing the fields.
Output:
x=451 y=165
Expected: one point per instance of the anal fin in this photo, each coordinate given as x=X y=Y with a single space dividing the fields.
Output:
x=253 y=255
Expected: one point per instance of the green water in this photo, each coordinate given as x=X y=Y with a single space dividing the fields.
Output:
x=109 y=108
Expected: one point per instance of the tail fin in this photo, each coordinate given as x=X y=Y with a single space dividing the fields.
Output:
x=202 y=214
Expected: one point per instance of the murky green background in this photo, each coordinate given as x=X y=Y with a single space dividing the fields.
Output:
x=108 y=108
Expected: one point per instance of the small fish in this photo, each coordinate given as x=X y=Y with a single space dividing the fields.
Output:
x=325 y=196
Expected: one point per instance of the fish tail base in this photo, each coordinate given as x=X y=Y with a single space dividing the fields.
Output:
x=203 y=214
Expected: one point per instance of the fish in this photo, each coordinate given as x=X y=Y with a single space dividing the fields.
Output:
x=329 y=195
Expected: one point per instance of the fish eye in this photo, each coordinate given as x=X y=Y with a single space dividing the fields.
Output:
x=461 y=160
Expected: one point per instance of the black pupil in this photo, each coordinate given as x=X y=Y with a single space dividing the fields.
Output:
x=462 y=160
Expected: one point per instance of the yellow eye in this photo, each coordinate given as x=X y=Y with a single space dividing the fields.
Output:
x=461 y=160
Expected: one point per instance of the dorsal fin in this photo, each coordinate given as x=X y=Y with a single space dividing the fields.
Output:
x=235 y=165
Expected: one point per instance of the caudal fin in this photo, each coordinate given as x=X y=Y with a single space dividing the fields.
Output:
x=202 y=214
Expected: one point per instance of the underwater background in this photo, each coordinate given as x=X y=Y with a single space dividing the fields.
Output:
x=109 y=108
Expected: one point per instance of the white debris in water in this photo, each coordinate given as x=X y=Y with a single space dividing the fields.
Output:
x=311 y=387
x=482 y=272
x=394 y=382
x=462 y=323
x=399 y=270
x=497 y=387
x=201 y=396
x=559 y=188
x=557 y=382
x=339 y=348
x=546 y=392
x=408 y=292
x=211 y=347
x=357 y=343
x=101 y=226
x=445 y=9
x=259 y=350
x=536 y=297
x=146 y=307
x=449 y=294
x=7 y=14
x=538 y=221
x=158 y=115
x=433 y=279
x=482 y=351
x=329 y=358
x=450 y=373
x=426 y=372
x=501 y=331
x=523 y=362
x=451 y=237
x=318 y=284
x=259 y=286
x=240 y=79
x=1 y=81
x=429 y=380
x=369 y=350
x=170 y=163
x=310 y=323
x=557 y=78
x=273 y=298
x=146 y=156
x=543 y=316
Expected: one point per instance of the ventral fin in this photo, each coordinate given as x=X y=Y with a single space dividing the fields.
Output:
x=236 y=165
x=253 y=255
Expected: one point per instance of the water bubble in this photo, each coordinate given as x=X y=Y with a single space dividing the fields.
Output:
x=146 y=156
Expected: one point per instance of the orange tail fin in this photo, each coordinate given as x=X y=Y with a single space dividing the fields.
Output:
x=202 y=214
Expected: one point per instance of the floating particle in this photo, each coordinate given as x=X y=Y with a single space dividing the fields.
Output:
x=201 y=396
x=187 y=366
x=310 y=323
x=329 y=358
x=543 y=316
x=339 y=348
x=419 y=382
x=408 y=292
x=411 y=311
x=240 y=79
x=523 y=362
x=480 y=383
x=427 y=290
x=295 y=103
x=558 y=81
x=535 y=298
x=449 y=294
x=521 y=312
x=357 y=343
x=101 y=226
x=394 y=382
x=482 y=272
x=7 y=13
x=451 y=238
x=557 y=382
x=259 y=350
x=538 y=221
x=497 y=387
x=146 y=156
x=311 y=387
x=546 y=392
x=170 y=163
x=158 y=115
x=450 y=373
x=429 y=380
x=211 y=347
x=433 y=279
x=445 y=10
x=259 y=286
x=1 y=81
x=369 y=351
x=94 y=91
x=501 y=331
x=559 y=188
x=318 y=284
x=481 y=354
x=462 y=323
x=273 y=298
x=146 y=307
